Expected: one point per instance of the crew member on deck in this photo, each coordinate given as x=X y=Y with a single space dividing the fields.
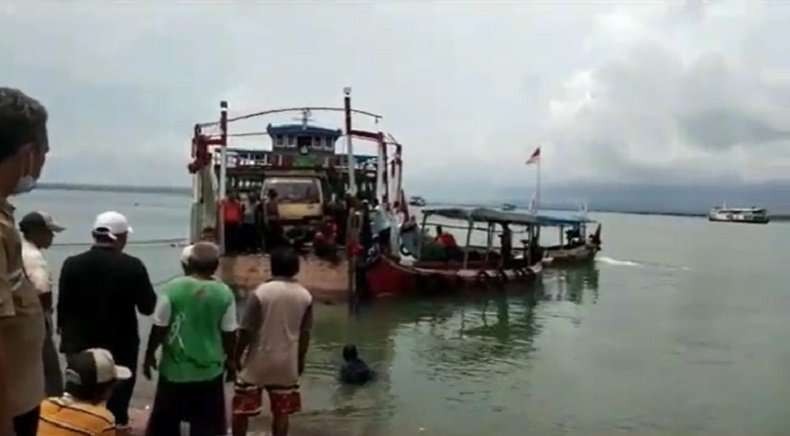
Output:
x=232 y=212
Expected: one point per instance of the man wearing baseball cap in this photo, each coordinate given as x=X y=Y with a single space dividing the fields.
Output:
x=91 y=376
x=100 y=293
x=38 y=230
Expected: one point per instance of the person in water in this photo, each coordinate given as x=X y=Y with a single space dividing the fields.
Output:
x=354 y=371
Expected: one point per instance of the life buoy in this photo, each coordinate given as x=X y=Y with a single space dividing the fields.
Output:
x=404 y=251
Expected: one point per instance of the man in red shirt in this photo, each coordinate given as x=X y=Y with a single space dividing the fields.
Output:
x=446 y=240
x=232 y=212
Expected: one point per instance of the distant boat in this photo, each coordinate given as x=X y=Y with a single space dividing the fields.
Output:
x=417 y=201
x=508 y=207
x=750 y=215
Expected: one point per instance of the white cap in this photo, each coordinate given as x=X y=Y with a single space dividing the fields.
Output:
x=112 y=223
x=186 y=254
x=94 y=366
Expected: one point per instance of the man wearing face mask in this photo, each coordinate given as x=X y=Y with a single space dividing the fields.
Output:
x=23 y=149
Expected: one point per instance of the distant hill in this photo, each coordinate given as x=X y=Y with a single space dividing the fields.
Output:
x=174 y=190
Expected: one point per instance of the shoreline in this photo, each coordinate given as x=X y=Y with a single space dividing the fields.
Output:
x=186 y=191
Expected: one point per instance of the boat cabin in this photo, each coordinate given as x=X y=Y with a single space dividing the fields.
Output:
x=488 y=242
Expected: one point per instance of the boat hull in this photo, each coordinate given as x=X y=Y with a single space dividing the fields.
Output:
x=386 y=277
x=557 y=256
x=716 y=219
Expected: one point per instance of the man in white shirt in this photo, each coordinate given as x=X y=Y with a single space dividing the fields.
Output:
x=38 y=230
x=274 y=336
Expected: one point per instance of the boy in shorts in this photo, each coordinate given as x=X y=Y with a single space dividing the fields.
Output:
x=273 y=341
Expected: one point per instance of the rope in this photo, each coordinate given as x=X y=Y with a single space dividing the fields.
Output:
x=163 y=241
x=159 y=283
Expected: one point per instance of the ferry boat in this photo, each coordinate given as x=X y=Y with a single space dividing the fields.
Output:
x=312 y=181
x=751 y=215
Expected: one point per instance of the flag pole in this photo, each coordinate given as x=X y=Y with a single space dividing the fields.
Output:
x=537 y=195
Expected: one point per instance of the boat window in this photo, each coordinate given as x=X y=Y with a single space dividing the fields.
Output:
x=280 y=140
x=295 y=190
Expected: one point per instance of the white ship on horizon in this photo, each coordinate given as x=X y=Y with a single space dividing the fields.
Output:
x=752 y=215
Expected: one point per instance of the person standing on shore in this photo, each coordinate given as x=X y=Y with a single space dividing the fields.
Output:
x=100 y=293
x=38 y=229
x=195 y=324
x=23 y=150
x=273 y=340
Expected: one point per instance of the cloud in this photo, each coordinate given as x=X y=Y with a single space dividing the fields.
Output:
x=695 y=91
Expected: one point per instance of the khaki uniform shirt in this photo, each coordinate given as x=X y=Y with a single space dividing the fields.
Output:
x=21 y=322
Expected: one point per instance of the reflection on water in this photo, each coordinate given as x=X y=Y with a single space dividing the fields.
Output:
x=572 y=284
x=450 y=354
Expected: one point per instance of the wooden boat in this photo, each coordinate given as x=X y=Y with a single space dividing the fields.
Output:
x=574 y=245
x=474 y=268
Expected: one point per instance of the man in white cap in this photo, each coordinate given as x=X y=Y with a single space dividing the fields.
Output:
x=91 y=376
x=100 y=293
x=38 y=230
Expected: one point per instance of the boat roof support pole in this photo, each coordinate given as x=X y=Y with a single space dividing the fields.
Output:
x=422 y=232
x=468 y=242
x=223 y=173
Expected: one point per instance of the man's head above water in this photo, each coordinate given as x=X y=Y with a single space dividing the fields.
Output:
x=23 y=141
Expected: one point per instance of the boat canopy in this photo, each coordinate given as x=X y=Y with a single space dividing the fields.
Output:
x=555 y=221
x=482 y=215
x=498 y=216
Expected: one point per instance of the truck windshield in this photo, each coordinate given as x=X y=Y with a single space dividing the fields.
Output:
x=294 y=190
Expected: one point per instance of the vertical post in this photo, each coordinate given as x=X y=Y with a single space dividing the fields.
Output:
x=385 y=165
x=537 y=196
x=352 y=167
x=223 y=172
x=562 y=238
x=468 y=241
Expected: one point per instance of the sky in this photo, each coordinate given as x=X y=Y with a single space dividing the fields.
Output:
x=617 y=94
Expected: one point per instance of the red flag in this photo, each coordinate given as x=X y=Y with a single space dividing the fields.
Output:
x=535 y=158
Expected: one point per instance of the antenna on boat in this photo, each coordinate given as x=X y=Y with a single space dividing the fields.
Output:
x=307 y=116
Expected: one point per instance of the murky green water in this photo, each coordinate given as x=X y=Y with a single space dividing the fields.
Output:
x=679 y=327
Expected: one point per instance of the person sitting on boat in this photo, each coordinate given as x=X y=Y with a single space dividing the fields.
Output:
x=573 y=235
x=354 y=370
x=447 y=241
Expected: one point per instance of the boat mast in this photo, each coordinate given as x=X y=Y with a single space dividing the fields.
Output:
x=352 y=189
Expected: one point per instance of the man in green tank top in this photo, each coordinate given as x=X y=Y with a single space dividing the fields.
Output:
x=195 y=323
